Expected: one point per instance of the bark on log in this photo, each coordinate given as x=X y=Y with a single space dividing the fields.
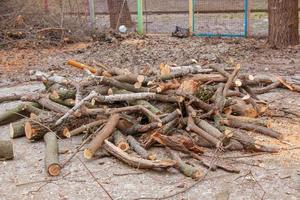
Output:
x=136 y=96
x=251 y=127
x=193 y=127
x=250 y=142
x=67 y=133
x=97 y=142
x=51 y=154
x=186 y=169
x=178 y=142
x=152 y=117
x=134 y=161
x=120 y=141
x=15 y=113
x=135 y=145
x=6 y=150
x=17 y=129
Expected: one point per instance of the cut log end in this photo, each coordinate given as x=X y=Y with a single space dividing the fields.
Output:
x=88 y=153
x=54 y=169
x=29 y=131
x=124 y=146
x=152 y=156
x=66 y=133
x=140 y=78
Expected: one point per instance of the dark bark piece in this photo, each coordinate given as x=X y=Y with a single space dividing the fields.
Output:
x=104 y=133
x=120 y=140
x=186 y=169
x=140 y=128
x=134 y=161
x=136 y=146
x=177 y=142
x=283 y=23
x=6 y=150
x=51 y=154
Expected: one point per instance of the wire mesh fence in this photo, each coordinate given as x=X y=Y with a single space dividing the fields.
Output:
x=220 y=18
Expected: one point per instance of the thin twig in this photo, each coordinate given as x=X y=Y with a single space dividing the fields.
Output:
x=95 y=179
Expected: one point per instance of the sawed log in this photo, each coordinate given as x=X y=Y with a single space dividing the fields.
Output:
x=135 y=145
x=51 y=154
x=6 y=150
x=104 y=133
x=120 y=140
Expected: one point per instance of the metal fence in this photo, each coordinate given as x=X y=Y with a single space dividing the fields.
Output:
x=209 y=17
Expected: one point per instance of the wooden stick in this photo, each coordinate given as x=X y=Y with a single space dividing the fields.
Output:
x=72 y=110
x=135 y=145
x=147 y=112
x=134 y=161
x=186 y=169
x=82 y=128
x=251 y=127
x=97 y=142
x=193 y=127
x=82 y=66
x=6 y=150
x=120 y=140
x=51 y=154
x=231 y=79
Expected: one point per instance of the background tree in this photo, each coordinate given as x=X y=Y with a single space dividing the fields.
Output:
x=119 y=13
x=283 y=23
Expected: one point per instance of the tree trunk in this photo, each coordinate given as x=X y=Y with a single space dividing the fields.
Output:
x=119 y=13
x=283 y=23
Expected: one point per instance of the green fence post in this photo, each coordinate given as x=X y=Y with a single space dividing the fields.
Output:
x=140 y=23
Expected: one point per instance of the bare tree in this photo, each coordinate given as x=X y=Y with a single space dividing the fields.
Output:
x=283 y=23
x=119 y=13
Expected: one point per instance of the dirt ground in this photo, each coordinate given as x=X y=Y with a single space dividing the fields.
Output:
x=263 y=176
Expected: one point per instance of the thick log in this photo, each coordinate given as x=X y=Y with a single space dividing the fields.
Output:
x=45 y=102
x=193 y=127
x=6 y=150
x=152 y=117
x=250 y=143
x=120 y=140
x=257 y=121
x=51 y=154
x=138 y=96
x=97 y=142
x=15 y=113
x=67 y=133
x=17 y=129
x=134 y=161
x=251 y=127
x=186 y=169
x=14 y=97
x=135 y=145
x=232 y=143
x=35 y=129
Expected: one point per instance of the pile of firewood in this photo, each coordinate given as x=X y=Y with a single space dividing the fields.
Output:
x=182 y=108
